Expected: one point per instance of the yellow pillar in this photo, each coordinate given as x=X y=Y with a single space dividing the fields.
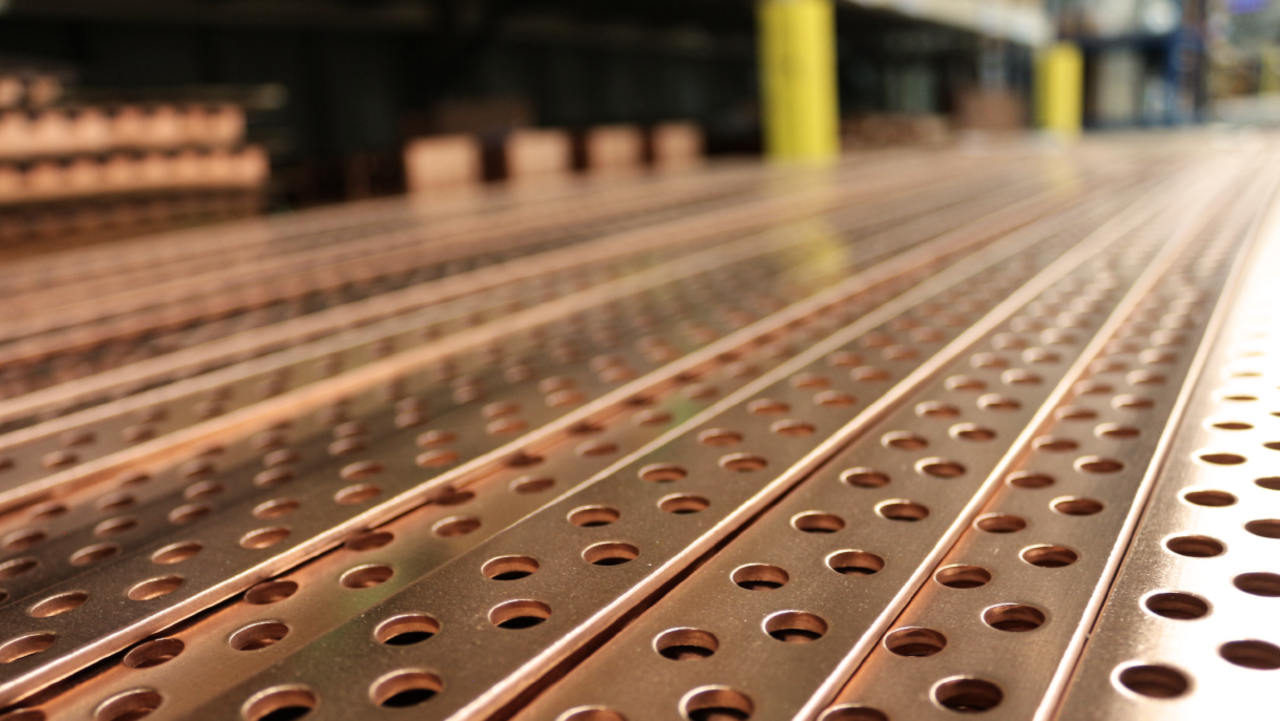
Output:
x=1060 y=89
x=798 y=79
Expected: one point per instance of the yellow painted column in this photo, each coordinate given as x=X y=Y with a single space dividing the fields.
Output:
x=798 y=80
x=1060 y=89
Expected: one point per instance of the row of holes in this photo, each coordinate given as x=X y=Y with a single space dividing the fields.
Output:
x=524 y=613
x=799 y=627
x=739 y=462
x=967 y=694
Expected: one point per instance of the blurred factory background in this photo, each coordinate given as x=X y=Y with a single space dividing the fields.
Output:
x=333 y=91
x=639 y=360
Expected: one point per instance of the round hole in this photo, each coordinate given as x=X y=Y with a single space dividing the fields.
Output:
x=651 y=417
x=153 y=653
x=1132 y=403
x=176 y=553
x=455 y=526
x=591 y=713
x=407 y=629
x=1049 y=556
x=366 y=576
x=268 y=479
x=793 y=429
x=1252 y=654
x=532 y=484
x=83 y=557
x=915 y=642
x=834 y=398
x=684 y=504
x=904 y=441
x=155 y=588
x=1077 y=506
x=610 y=553
x=405 y=689
x=1027 y=479
x=965 y=383
x=815 y=522
x=766 y=406
x=855 y=563
x=795 y=627
x=853 y=712
x=1195 y=546
x=716 y=703
x=115 y=526
x=436 y=458
x=967 y=695
x=685 y=644
x=509 y=568
x=189 y=513
x=360 y=470
x=1116 y=431
x=1075 y=413
x=22 y=540
x=1259 y=584
x=900 y=510
x=1055 y=445
x=1013 y=617
x=127 y=706
x=1096 y=464
x=269 y=592
x=1000 y=523
x=1211 y=499
x=520 y=614
x=259 y=635
x=23 y=646
x=1223 y=459
x=358 y=493
x=275 y=508
x=1266 y=528
x=971 y=432
x=940 y=468
x=596 y=448
x=759 y=577
x=962 y=576
x=1177 y=605
x=997 y=402
x=369 y=541
x=203 y=489
x=662 y=473
x=280 y=702
x=933 y=409
x=59 y=604
x=865 y=478
x=719 y=437
x=593 y=516
x=1271 y=484
x=263 y=538
x=743 y=462
x=1153 y=681
x=1233 y=425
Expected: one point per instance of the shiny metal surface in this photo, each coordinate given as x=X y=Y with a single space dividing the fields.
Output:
x=738 y=443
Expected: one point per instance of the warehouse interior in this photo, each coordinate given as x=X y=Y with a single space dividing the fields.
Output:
x=687 y=360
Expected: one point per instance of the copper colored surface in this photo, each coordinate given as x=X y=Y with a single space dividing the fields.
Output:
x=979 y=431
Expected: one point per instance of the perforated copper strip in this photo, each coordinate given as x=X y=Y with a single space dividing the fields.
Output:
x=1007 y=607
x=726 y=456
x=811 y=584
x=1187 y=629
x=199 y=588
x=34 y=452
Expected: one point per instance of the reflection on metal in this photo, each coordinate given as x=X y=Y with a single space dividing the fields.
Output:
x=862 y=446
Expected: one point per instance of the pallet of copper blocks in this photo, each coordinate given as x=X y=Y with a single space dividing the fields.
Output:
x=973 y=431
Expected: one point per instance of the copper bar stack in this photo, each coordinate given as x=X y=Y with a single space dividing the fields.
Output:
x=977 y=431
